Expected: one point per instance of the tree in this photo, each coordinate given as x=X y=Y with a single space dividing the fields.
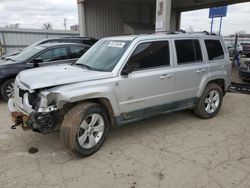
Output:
x=47 y=26
x=241 y=33
x=15 y=26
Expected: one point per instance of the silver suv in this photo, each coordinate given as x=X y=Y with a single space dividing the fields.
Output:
x=121 y=80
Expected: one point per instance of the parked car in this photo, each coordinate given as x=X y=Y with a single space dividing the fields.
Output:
x=121 y=80
x=42 y=55
x=244 y=71
x=81 y=40
x=231 y=46
x=246 y=49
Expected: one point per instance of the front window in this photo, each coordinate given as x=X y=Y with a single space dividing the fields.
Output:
x=27 y=53
x=104 y=55
x=151 y=55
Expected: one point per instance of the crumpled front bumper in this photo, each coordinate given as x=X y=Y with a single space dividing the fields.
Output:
x=18 y=116
x=39 y=122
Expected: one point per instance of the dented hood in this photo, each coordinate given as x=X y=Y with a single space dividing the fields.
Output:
x=57 y=75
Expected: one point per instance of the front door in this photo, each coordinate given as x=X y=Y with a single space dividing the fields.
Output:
x=150 y=84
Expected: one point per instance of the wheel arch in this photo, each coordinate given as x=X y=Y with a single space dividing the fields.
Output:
x=219 y=81
x=103 y=102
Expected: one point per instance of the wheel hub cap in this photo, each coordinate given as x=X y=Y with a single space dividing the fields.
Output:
x=212 y=101
x=90 y=131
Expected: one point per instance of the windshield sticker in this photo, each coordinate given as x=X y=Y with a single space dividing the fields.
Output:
x=117 y=44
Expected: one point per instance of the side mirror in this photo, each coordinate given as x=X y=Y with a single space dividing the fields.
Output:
x=37 y=61
x=130 y=67
x=127 y=70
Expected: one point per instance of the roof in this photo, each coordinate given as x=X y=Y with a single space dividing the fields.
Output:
x=61 y=44
x=163 y=35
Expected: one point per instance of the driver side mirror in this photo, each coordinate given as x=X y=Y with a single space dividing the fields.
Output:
x=130 y=67
x=37 y=61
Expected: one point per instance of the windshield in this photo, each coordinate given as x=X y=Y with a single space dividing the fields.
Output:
x=26 y=54
x=104 y=55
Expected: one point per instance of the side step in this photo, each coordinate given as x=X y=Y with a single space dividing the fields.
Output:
x=239 y=88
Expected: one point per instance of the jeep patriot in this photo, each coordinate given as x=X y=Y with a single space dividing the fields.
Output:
x=120 y=80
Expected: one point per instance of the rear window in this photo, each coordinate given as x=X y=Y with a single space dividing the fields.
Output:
x=188 y=51
x=214 y=50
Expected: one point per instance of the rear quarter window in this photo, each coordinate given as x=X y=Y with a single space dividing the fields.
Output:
x=214 y=50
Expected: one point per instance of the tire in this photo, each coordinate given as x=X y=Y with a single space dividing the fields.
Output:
x=7 y=89
x=77 y=135
x=207 y=107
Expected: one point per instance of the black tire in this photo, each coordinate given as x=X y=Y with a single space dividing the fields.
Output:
x=71 y=126
x=4 y=87
x=200 y=109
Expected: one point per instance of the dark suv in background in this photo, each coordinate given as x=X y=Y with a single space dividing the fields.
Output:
x=246 y=49
x=37 y=56
x=81 y=40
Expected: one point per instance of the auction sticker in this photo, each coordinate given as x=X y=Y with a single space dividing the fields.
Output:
x=117 y=44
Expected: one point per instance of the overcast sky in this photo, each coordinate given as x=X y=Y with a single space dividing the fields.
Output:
x=33 y=13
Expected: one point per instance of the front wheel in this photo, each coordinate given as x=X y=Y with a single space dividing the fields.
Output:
x=84 y=129
x=7 y=89
x=210 y=102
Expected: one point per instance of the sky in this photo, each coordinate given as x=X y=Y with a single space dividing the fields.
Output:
x=238 y=19
x=33 y=13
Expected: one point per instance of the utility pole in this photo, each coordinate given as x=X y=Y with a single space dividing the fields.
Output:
x=65 y=24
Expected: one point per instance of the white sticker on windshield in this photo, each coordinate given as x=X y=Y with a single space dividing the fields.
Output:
x=117 y=44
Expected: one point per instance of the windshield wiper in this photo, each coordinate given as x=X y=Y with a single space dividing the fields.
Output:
x=83 y=65
x=10 y=59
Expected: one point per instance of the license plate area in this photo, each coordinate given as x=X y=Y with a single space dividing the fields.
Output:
x=20 y=120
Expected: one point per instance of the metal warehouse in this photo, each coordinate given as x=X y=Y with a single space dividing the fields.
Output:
x=16 y=39
x=100 y=18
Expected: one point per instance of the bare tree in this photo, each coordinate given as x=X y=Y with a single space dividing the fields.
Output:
x=15 y=26
x=241 y=33
x=47 y=26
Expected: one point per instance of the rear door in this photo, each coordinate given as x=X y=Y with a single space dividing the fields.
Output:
x=190 y=68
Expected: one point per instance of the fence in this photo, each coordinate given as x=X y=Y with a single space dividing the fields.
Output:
x=16 y=39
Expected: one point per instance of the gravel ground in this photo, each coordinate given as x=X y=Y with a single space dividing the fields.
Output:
x=173 y=150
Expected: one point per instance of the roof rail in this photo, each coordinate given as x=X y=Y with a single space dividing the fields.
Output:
x=181 y=31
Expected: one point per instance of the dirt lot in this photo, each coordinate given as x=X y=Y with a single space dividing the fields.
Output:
x=175 y=150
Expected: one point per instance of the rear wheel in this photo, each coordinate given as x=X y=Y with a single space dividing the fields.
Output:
x=210 y=102
x=7 y=89
x=84 y=129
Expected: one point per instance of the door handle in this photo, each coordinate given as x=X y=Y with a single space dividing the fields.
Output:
x=168 y=76
x=201 y=70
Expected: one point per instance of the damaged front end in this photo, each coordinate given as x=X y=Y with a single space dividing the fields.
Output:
x=35 y=110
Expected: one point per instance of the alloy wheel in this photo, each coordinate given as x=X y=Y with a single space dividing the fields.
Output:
x=212 y=101
x=10 y=90
x=90 y=131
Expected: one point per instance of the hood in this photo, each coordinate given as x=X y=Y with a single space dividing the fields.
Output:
x=57 y=75
x=4 y=62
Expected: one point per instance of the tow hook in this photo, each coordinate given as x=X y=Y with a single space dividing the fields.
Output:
x=14 y=126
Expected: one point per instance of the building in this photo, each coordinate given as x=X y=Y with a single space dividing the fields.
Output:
x=14 y=39
x=100 y=18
